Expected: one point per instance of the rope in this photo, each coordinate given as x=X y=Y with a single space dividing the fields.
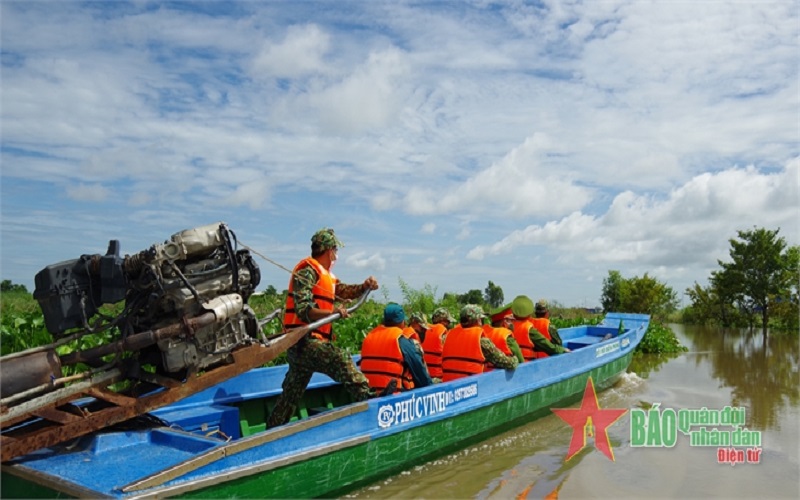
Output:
x=276 y=264
x=253 y=250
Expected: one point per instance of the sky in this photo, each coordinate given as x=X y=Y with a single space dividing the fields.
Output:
x=537 y=145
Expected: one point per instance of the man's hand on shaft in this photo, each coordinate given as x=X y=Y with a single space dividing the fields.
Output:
x=370 y=283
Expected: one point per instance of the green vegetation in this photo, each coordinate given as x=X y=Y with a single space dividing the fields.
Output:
x=645 y=295
x=8 y=286
x=21 y=322
x=659 y=340
x=759 y=285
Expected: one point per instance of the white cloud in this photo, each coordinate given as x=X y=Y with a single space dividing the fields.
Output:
x=301 y=53
x=428 y=228
x=689 y=227
x=372 y=262
x=520 y=184
x=368 y=98
x=253 y=193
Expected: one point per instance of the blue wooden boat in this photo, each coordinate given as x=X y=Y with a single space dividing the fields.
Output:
x=215 y=443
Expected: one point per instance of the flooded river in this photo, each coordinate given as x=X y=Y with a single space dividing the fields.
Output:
x=733 y=368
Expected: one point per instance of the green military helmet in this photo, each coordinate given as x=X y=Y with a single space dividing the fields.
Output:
x=522 y=306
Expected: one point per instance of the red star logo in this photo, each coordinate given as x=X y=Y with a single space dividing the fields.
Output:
x=586 y=418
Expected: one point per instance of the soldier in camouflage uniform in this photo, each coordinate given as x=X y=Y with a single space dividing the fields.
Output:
x=523 y=309
x=458 y=358
x=419 y=323
x=316 y=352
x=472 y=315
x=543 y=311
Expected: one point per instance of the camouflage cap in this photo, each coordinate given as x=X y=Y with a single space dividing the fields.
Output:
x=471 y=313
x=325 y=239
x=420 y=318
x=442 y=314
x=541 y=306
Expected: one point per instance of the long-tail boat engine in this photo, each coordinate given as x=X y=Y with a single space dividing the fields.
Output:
x=150 y=329
x=185 y=309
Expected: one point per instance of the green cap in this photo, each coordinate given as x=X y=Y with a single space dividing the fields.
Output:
x=522 y=306
x=471 y=313
x=325 y=239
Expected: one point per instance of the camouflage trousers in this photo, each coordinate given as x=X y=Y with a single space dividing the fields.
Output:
x=309 y=356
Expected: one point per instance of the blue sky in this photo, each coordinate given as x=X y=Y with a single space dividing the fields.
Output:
x=534 y=144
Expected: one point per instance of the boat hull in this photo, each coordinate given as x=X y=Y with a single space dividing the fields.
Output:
x=313 y=457
x=347 y=469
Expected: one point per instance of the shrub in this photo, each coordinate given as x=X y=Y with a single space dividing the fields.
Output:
x=658 y=339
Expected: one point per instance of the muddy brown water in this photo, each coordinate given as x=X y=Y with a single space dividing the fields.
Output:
x=734 y=368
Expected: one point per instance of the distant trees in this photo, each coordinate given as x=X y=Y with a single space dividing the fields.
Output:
x=424 y=300
x=611 y=299
x=8 y=286
x=638 y=295
x=760 y=281
x=474 y=296
x=493 y=295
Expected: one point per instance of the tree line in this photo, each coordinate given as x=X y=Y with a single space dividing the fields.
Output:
x=758 y=286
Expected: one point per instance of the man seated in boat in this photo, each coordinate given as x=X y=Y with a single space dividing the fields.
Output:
x=468 y=351
x=417 y=327
x=541 y=320
x=388 y=355
x=313 y=292
x=533 y=343
x=434 y=341
x=499 y=331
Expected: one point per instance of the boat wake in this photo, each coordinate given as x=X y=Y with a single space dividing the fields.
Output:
x=628 y=382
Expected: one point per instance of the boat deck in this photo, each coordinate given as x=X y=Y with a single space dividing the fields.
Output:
x=594 y=334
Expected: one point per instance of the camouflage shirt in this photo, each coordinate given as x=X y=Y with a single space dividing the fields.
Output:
x=495 y=356
x=304 y=281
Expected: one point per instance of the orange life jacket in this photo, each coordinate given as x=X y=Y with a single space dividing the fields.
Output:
x=498 y=336
x=521 y=329
x=324 y=295
x=543 y=325
x=462 y=355
x=432 y=347
x=382 y=359
x=410 y=333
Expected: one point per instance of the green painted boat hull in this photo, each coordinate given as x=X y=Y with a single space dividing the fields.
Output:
x=345 y=470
